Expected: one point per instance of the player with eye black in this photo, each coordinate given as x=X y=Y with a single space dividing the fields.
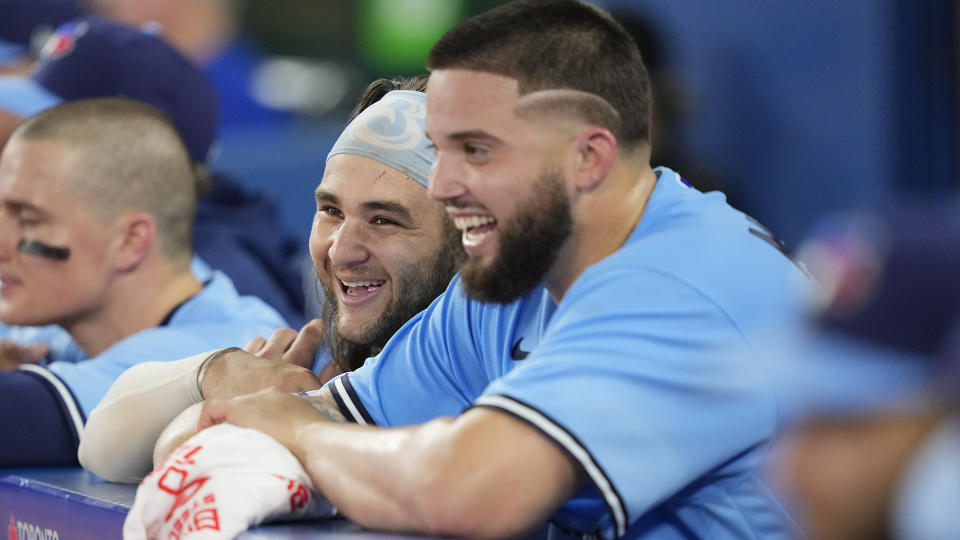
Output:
x=97 y=201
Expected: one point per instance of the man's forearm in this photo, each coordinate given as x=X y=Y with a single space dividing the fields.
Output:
x=446 y=477
x=325 y=404
x=372 y=475
x=120 y=435
x=450 y=477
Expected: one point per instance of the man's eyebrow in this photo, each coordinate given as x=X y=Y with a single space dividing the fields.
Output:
x=20 y=206
x=324 y=195
x=392 y=207
x=397 y=209
x=473 y=135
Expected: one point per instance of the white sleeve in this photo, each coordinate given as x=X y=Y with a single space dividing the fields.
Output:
x=120 y=434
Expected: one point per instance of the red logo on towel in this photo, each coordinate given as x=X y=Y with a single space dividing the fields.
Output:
x=299 y=494
x=184 y=495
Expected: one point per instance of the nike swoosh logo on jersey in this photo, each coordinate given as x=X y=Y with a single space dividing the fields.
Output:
x=517 y=353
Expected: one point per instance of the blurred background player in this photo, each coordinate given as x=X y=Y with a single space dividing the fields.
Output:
x=206 y=32
x=97 y=200
x=873 y=449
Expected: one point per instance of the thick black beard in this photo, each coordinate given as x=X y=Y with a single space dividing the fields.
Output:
x=418 y=286
x=530 y=241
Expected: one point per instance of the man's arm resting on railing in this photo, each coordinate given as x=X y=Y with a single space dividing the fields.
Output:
x=447 y=477
x=121 y=433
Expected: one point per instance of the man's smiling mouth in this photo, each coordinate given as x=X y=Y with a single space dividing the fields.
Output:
x=361 y=288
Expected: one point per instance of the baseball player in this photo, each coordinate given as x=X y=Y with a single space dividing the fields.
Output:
x=97 y=201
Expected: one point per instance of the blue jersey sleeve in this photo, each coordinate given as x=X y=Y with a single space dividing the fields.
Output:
x=433 y=366
x=40 y=420
x=646 y=384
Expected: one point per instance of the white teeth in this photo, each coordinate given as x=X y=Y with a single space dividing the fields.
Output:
x=362 y=283
x=472 y=238
x=464 y=223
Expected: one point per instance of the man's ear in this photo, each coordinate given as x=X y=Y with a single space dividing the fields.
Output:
x=136 y=236
x=596 y=150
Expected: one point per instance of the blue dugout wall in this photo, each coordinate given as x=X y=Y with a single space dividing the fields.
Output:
x=802 y=106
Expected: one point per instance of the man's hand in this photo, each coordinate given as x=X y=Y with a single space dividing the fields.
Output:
x=13 y=354
x=278 y=414
x=289 y=346
x=281 y=362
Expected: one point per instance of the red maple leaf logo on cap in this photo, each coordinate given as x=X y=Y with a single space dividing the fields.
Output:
x=59 y=46
x=61 y=43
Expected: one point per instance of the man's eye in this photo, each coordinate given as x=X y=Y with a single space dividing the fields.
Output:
x=474 y=151
x=383 y=221
x=330 y=211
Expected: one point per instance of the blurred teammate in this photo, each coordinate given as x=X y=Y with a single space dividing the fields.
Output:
x=873 y=448
x=596 y=357
x=206 y=32
x=382 y=250
x=97 y=200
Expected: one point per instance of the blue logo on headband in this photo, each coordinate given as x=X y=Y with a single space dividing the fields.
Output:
x=395 y=123
x=391 y=131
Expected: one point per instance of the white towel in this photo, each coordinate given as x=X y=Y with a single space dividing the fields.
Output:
x=220 y=483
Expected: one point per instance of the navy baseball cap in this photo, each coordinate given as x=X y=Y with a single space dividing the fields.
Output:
x=889 y=329
x=21 y=20
x=91 y=57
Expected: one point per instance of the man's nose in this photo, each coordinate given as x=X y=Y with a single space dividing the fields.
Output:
x=445 y=179
x=349 y=247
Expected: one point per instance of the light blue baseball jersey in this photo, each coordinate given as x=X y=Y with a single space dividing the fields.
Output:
x=647 y=374
x=215 y=317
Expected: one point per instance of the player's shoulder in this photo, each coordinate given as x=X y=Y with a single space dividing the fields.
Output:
x=688 y=233
x=218 y=304
x=688 y=241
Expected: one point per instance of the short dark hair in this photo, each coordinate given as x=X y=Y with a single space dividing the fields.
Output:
x=375 y=91
x=553 y=44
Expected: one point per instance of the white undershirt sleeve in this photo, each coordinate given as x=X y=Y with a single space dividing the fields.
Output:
x=120 y=434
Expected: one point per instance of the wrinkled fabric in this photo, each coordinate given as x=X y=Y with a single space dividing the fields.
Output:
x=220 y=483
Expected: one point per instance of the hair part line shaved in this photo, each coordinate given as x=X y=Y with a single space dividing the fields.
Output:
x=577 y=105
